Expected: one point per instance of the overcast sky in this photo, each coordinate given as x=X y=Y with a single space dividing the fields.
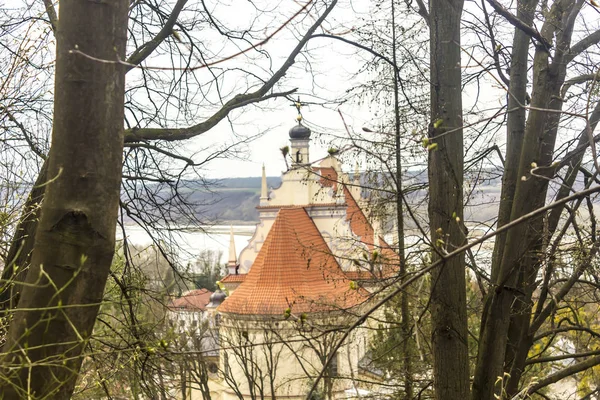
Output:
x=328 y=75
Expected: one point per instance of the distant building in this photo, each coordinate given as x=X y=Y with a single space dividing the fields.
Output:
x=189 y=309
x=300 y=282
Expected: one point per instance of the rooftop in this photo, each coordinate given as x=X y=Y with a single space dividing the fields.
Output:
x=194 y=300
x=294 y=269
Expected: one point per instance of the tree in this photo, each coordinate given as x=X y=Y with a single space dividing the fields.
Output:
x=448 y=287
x=541 y=220
x=62 y=289
x=507 y=330
x=211 y=269
x=75 y=239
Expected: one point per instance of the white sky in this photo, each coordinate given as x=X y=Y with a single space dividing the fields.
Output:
x=332 y=65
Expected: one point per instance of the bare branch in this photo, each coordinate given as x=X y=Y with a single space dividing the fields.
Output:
x=51 y=12
x=562 y=357
x=240 y=100
x=134 y=135
x=517 y=23
x=583 y=45
x=142 y=52
x=423 y=11
x=564 y=373
x=578 y=79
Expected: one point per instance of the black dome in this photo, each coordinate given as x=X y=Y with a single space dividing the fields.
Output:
x=216 y=298
x=299 y=132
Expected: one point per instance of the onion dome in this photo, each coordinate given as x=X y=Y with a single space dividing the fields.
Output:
x=216 y=299
x=300 y=132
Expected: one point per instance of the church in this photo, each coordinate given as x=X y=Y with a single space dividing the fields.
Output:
x=307 y=273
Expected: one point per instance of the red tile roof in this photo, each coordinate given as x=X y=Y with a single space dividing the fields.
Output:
x=194 y=300
x=294 y=269
x=360 y=226
x=329 y=177
x=234 y=278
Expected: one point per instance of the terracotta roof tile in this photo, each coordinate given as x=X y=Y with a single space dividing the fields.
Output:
x=234 y=278
x=359 y=223
x=294 y=269
x=194 y=300
x=329 y=177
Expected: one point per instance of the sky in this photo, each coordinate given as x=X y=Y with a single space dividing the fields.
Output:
x=333 y=67
x=324 y=71
x=327 y=76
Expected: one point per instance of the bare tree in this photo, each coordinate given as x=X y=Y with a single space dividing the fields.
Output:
x=67 y=265
x=75 y=241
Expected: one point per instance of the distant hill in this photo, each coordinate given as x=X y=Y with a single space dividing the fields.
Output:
x=234 y=200
x=231 y=200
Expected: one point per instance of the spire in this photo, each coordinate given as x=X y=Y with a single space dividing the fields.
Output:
x=232 y=264
x=300 y=140
x=376 y=233
x=356 y=189
x=264 y=194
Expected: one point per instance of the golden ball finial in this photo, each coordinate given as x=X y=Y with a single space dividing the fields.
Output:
x=299 y=118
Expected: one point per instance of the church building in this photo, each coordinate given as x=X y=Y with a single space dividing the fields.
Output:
x=304 y=278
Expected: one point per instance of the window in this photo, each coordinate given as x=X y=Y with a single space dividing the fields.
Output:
x=333 y=366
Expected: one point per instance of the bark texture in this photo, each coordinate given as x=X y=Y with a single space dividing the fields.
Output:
x=75 y=238
x=448 y=292
x=504 y=337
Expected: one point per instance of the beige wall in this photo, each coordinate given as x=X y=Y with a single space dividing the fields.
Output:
x=254 y=346
x=300 y=186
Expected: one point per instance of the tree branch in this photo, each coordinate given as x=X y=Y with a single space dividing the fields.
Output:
x=577 y=80
x=172 y=134
x=135 y=135
x=568 y=328
x=562 y=357
x=564 y=373
x=142 y=52
x=582 y=45
x=517 y=23
x=51 y=12
x=423 y=11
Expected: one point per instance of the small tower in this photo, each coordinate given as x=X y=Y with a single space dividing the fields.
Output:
x=376 y=233
x=300 y=141
x=232 y=264
x=215 y=300
x=264 y=194
x=356 y=188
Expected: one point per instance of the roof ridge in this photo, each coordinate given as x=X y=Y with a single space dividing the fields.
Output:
x=294 y=268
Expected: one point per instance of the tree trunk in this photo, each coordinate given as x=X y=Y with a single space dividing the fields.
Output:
x=508 y=308
x=515 y=123
x=407 y=345
x=75 y=239
x=448 y=292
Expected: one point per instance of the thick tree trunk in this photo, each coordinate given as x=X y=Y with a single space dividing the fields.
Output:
x=74 y=242
x=515 y=123
x=514 y=138
x=448 y=292
x=523 y=328
x=504 y=329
